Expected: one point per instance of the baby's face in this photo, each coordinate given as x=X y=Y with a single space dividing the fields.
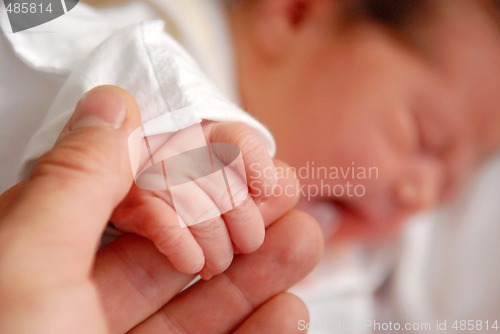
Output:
x=382 y=123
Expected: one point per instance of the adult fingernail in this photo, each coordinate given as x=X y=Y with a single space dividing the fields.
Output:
x=100 y=106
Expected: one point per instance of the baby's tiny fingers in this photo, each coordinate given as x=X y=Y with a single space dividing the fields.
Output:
x=245 y=226
x=259 y=167
x=213 y=237
x=147 y=214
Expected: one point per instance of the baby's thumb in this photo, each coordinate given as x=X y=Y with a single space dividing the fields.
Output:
x=73 y=189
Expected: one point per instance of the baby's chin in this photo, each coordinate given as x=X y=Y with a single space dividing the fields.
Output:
x=346 y=222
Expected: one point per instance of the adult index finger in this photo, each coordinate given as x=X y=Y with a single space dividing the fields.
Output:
x=292 y=248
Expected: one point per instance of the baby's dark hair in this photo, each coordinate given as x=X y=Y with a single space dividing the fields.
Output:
x=391 y=12
x=397 y=13
x=394 y=14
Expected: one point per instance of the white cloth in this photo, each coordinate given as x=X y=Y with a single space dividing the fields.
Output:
x=34 y=66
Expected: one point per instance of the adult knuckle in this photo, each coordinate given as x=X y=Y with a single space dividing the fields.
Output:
x=73 y=159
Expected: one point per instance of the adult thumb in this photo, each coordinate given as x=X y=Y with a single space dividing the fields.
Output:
x=72 y=190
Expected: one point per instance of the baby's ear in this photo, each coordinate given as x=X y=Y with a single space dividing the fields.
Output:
x=277 y=23
x=421 y=184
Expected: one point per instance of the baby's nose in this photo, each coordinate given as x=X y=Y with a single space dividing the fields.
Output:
x=415 y=196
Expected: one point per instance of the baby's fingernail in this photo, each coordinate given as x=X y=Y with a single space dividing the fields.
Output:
x=261 y=201
x=205 y=274
x=270 y=185
x=274 y=178
x=100 y=106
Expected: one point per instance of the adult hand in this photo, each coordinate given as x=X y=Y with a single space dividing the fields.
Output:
x=53 y=280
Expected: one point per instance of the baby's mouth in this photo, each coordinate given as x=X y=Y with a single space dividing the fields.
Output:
x=341 y=219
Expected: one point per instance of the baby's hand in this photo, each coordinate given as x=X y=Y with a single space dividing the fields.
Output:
x=199 y=204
